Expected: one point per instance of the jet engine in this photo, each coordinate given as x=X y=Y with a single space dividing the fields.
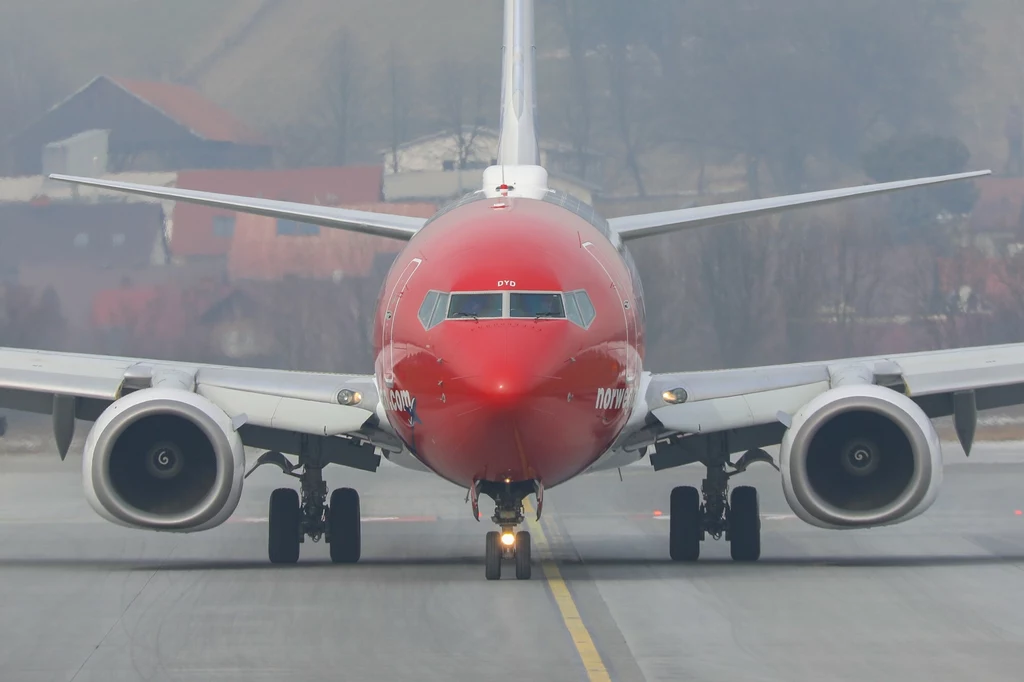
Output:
x=859 y=456
x=164 y=459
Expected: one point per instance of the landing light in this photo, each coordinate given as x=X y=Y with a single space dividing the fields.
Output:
x=675 y=397
x=508 y=539
x=349 y=397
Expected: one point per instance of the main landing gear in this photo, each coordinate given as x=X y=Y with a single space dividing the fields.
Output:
x=508 y=513
x=294 y=518
x=712 y=511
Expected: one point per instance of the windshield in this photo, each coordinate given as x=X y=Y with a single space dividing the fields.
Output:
x=536 y=305
x=475 y=305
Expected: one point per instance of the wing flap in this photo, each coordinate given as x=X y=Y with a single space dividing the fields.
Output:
x=645 y=225
x=79 y=386
x=961 y=369
x=378 y=224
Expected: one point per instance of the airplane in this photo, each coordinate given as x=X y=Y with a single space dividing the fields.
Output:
x=509 y=358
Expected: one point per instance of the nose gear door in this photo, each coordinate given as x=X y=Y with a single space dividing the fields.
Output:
x=394 y=300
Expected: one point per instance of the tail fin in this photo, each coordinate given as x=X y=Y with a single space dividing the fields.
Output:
x=518 y=144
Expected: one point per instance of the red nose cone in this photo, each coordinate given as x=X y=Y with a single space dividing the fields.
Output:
x=503 y=385
x=499 y=399
x=499 y=381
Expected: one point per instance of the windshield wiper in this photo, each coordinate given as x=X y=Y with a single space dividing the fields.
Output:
x=461 y=314
x=540 y=315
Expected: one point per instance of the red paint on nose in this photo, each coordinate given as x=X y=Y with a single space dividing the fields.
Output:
x=504 y=394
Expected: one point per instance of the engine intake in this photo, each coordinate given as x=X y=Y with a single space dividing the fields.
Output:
x=164 y=459
x=859 y=456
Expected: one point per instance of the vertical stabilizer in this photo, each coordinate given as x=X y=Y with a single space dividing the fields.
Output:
x=518 y=143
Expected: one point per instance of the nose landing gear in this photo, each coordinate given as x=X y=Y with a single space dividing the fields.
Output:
x=508 y=514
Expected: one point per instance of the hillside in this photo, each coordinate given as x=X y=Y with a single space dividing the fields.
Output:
x=997 y=27
x=263 y=59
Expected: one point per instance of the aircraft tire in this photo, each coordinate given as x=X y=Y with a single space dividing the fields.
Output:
x=492 y=556
x=745 y=524
x=344 y=526
x=284 y=527
x=523 y=566
x=684 y=524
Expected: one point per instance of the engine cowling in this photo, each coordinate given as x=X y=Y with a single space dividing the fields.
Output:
x=859 y=456
x=164 y=459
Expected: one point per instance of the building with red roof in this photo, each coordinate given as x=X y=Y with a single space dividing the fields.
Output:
x=262 y=250
x=152 y=126
x=201 y=232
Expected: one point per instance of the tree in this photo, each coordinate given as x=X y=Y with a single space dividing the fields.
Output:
x=630 y=71
x=801 y=283
x=29 y=80
x=344 y=97
x=460 y=97
x=575 y=19
x=780 y=83
x=916 y=155
x=401 y=102
x=737 y=263
x=29 y=319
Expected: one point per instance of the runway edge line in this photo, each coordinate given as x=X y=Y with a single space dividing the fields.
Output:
x=581 y=638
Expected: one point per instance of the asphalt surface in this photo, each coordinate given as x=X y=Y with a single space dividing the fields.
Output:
x=938 y=598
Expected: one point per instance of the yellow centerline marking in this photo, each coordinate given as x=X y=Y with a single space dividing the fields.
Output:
x=581 y=639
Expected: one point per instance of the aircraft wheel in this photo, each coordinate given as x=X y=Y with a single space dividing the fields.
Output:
x=343 y=526
x=285 y=527
x=684 y=527
x=492 y=556
x=745 y=524
x=523 y=567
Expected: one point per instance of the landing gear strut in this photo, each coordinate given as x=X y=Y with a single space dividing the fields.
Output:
x=508 y=513
x=294 y=518
x=712 y=511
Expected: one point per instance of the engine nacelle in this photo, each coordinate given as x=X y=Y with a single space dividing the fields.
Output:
x=164 y=459
x=859 y=456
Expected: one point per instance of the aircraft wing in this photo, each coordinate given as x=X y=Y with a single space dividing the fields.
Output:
x=379 y=224
x=645 y=225
x=269 y=408
x=754 y=407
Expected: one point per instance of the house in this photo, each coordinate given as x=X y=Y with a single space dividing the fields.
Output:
x=270 y=249
x=145 y=126
x=199 y=232
x=79 y=249
x=445 y=165
x=997 y=221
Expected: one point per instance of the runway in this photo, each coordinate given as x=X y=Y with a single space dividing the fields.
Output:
x=939 y=598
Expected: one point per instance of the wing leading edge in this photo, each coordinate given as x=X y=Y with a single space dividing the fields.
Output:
x=648 y=224
x=378 y=224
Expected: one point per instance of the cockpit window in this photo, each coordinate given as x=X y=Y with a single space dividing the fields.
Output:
x=433 y=310
x=475 y=306
x=572 y=310
x=586 y=308
x=574 y=306
x=427 y=309
x=536 y=305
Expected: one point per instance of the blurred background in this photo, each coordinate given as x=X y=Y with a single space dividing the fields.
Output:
x=391 y=105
